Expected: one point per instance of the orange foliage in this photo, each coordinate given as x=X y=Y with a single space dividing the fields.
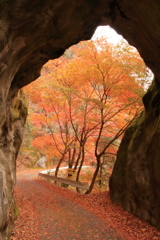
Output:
x=89 y=96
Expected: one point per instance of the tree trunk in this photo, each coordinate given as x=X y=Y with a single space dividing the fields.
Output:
x=71 y=161
x=80 y=167
x=58 y=165
x=78 y=159
x=98 y=159
x=100 y=175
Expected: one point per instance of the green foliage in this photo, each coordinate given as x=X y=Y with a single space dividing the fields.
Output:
x=64 y=185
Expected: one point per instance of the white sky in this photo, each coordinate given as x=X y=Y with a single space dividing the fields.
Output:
x=106 y=31
x=114 y=37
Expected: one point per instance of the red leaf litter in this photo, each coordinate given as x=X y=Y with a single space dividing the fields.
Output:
x=26 y=224
x=127 y=225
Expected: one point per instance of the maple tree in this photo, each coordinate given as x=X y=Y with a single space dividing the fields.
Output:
x=85 y=101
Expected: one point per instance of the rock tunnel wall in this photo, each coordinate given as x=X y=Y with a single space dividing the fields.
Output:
x=31 y=33
x=11 y=138
x=135 y=182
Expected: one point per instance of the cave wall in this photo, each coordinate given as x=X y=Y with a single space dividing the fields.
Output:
x=135 y=182
x=31 y=33
x=11 y=131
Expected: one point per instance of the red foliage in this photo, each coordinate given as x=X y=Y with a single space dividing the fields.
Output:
x=90 y=95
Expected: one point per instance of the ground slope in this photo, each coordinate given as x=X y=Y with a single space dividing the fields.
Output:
x=50 y=212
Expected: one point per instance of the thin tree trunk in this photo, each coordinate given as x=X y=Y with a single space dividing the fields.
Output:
x=58 y=165
x=71 y=161
x=80 y=167
x=98 y=158
x=77 y=161
x=100 y=174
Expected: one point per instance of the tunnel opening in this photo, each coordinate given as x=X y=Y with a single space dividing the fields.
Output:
x=71 y=118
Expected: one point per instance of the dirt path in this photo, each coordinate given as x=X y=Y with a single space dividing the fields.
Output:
x=50 y=212
x=59 y=218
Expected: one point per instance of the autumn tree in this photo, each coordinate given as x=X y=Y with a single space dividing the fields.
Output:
x=50 y=115
x=108 y=77
x=87 y=102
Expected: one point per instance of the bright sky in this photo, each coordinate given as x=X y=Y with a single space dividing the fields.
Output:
x=106 y=31
x=114 y=37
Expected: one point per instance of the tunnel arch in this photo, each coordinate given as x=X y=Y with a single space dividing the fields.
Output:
x=31 y=33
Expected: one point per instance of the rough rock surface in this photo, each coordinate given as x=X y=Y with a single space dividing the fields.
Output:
x=42 y=162
x=31 y=33
x=11 y=138
x=135 y=182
